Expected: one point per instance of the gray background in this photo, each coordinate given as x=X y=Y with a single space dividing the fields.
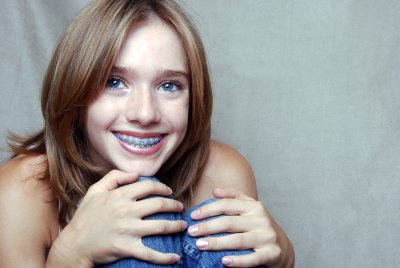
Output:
x=308 y=91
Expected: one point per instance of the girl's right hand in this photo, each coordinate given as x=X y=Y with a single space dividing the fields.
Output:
x=108 y=224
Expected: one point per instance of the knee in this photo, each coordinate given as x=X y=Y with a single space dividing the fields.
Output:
x=163 y=215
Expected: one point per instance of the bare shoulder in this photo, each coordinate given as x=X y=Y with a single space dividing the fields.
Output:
x=225 y=168
x=28 y=212
x=21 y=175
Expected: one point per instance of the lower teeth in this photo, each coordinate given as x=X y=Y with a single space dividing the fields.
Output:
x=140 y=146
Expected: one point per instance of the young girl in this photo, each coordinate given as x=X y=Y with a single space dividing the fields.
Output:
x=127 y=93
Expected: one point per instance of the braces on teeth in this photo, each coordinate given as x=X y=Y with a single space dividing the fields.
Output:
x=138 y=142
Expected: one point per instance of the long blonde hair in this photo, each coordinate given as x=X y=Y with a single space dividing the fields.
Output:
x=78 y=70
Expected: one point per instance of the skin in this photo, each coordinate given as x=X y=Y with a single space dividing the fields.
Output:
x=247 y=218
x=29 y=222
x=147 y=96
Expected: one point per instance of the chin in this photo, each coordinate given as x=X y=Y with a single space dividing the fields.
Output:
x=145 y=170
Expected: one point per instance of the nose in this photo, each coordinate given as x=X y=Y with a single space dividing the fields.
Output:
x=143 y=107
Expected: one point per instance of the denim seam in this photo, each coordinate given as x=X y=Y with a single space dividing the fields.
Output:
x=193 y=252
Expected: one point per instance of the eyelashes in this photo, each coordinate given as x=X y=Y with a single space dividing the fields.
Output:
x=115 y=83
x=170 y=86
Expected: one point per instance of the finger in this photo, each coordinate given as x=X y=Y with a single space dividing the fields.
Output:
x=230 y=224
x=228 y=242
x=222 y=206
x=153 y=256
x=267 y=256
x=146 y=207
x=113 y=180
x=230 y=193
x=247 y=240
x=158 y=227
x=143 y=189
x=234 y=224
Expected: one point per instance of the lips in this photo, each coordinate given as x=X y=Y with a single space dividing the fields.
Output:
x=139 y=142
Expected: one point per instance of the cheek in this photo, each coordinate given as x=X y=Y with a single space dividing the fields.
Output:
x=101 y=113
x=181 y=116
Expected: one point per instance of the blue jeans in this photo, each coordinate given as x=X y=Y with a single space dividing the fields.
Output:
x=180 y=243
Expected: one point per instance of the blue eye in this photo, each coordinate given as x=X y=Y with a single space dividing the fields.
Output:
x=169 y=86
x=115 y=84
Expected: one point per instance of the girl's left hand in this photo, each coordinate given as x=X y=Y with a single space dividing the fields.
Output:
x=251 y=225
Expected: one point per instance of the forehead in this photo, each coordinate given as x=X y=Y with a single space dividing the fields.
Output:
x=153 y=42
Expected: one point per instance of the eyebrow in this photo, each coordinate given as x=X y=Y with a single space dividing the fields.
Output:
x=175 y=73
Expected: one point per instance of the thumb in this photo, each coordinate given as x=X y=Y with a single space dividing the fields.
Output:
x=113 y=180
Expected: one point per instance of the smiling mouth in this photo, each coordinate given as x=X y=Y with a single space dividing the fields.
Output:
x=140 y=143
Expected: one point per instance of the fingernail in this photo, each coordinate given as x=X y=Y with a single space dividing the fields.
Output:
x=196 y=213
x=193 y=229
x=184 y=225
x=201 y=244
x=226 y=261
x=176 y=258
x=180 y=206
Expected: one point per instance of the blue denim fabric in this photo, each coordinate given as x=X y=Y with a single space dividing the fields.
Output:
x=181 y=243
x=194 y=257
x=169 y=243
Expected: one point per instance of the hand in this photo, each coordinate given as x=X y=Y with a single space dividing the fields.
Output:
x=108 y=224
x=250 y=224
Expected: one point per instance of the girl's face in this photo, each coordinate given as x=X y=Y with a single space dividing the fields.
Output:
x=141 y=116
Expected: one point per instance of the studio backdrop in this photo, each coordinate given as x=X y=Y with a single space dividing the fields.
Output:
x=307 y=91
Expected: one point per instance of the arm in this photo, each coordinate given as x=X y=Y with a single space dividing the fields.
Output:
x=106 y=227
x=28 y=221
x=109 y=225
x=255 y=227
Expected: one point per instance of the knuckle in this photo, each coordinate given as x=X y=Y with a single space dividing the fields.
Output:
x=238 y=242
x=229 y=223
x=151 y=185
x=121 y=228
x=162 y=204
x=203 y=228
x=273 y=254
x=277 y=253
x=114 y=195
x=121 y=211
x=265 y=221
x=177 y=205
x=272 y=236
x=113 y=173
x=161 y=228
x=116 y=247
x=148 y=255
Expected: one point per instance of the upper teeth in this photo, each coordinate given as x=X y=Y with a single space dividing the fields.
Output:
x=138 y=141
